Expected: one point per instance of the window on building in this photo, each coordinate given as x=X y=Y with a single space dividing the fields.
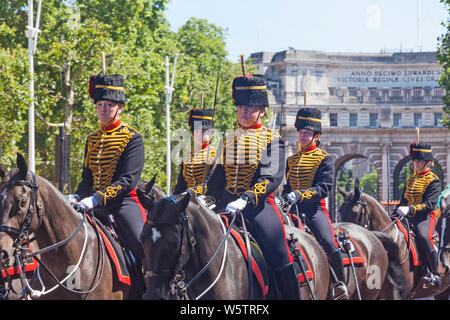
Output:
x=437 y=119
x=396 y=120
x=417 y=92
x=353 y=92
x=417 y=120
x=396 y=92
x=332 y=91
x=353 y=120
x=373 y=120
x=427 y=92
x=373 y=92
x=438 y=92
x=333 y=120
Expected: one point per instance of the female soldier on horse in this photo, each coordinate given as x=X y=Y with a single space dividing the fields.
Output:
x=417 y=204
x=113 y=163
x=309 y=179
x=193 y=169
x=251 y=168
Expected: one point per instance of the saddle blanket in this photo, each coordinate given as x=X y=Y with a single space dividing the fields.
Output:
x=357 y=256
x=259 y=265
x=115 y=252
x=414 y=252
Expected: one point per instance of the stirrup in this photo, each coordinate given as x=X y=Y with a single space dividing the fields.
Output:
x=433 y=281
x=339 y=291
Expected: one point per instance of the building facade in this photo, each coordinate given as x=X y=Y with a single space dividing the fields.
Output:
x=370 y=103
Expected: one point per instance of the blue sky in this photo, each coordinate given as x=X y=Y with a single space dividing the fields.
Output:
x=325 y=25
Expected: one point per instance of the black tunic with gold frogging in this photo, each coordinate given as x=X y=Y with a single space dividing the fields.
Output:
x=193 y=170
x=113 y=163
x=310 y=174
x=251 y=163
x=421 y=193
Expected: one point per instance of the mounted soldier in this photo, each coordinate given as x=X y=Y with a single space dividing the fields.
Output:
x=113 y=163
x=196 y=164
x=417 y=204
x=251 y=167
x=309 y=179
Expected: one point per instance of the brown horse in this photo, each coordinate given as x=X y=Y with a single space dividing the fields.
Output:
x=182 y=236
x=73 y=263
x=364 y=210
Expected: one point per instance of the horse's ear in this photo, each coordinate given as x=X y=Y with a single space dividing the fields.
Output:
x=22 y=165
x=150 y=185
x=3 y=171
x=183 y=203
x=357 y=192
x=145 y=200
x=342 y=191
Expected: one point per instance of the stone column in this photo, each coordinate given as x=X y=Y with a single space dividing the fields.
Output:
x=385 y=171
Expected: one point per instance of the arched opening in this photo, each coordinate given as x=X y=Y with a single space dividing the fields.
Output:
x=347 y=169
x=404 y=170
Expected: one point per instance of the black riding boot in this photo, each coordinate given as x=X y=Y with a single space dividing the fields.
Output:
x=339 y=290
x=433 y=278
x=287 y=280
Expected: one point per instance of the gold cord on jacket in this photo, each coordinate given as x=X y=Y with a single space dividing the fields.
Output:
x=415 y=188
x=303 y=168
x=104 y=149
x=194 y=167
x=243 y=150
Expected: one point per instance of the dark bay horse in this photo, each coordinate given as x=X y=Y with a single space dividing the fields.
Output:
x=364 y=210
x=180 y=238
x=72 y=262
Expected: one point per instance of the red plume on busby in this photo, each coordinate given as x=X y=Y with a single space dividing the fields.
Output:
x=92 y=86
x=410 y=148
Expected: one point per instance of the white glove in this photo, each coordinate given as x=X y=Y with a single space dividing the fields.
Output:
x=87 y=203
x=73 y=199
x=403 y=211
x=236 y=206
x=292 y=197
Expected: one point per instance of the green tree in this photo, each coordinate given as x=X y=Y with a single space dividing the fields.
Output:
x=369 y=184
x=443 y=56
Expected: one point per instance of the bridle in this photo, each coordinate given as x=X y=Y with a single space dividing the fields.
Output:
x=363 y=217
x=23 y=232
x=21 y=242
x=178 y=284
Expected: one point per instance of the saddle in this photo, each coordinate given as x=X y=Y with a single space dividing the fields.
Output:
x=415 y=254
x=341 y=238
x=259 y=266
x=117 y=253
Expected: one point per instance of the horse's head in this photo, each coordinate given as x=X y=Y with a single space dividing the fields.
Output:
x=354 y=207
x=165 y=242
x=19 y=209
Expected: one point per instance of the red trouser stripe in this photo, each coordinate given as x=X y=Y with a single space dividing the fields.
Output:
x=272 y=203
x=135 y=198
x=324 y=208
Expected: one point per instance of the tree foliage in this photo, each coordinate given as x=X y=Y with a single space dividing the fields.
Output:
x=136 y=38
x=443 y=56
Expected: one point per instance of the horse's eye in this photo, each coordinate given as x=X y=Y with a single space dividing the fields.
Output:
x=23 y=202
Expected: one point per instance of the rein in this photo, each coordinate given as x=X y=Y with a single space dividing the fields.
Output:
x=177 y=284
x=23 y=240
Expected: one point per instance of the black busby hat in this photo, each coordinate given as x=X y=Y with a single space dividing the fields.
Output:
x=201 y=118
x=107 y=87
x=309 y=118
x=420 y=151
x=250 y=90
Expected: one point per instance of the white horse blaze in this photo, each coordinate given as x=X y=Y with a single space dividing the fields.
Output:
x=155 y=234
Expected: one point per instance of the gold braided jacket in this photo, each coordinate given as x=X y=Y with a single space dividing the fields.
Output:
x=415 y=188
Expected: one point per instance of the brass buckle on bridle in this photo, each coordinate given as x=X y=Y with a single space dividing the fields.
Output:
x=178 y=285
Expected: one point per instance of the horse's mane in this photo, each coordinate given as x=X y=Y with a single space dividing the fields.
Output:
x=52 y=191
